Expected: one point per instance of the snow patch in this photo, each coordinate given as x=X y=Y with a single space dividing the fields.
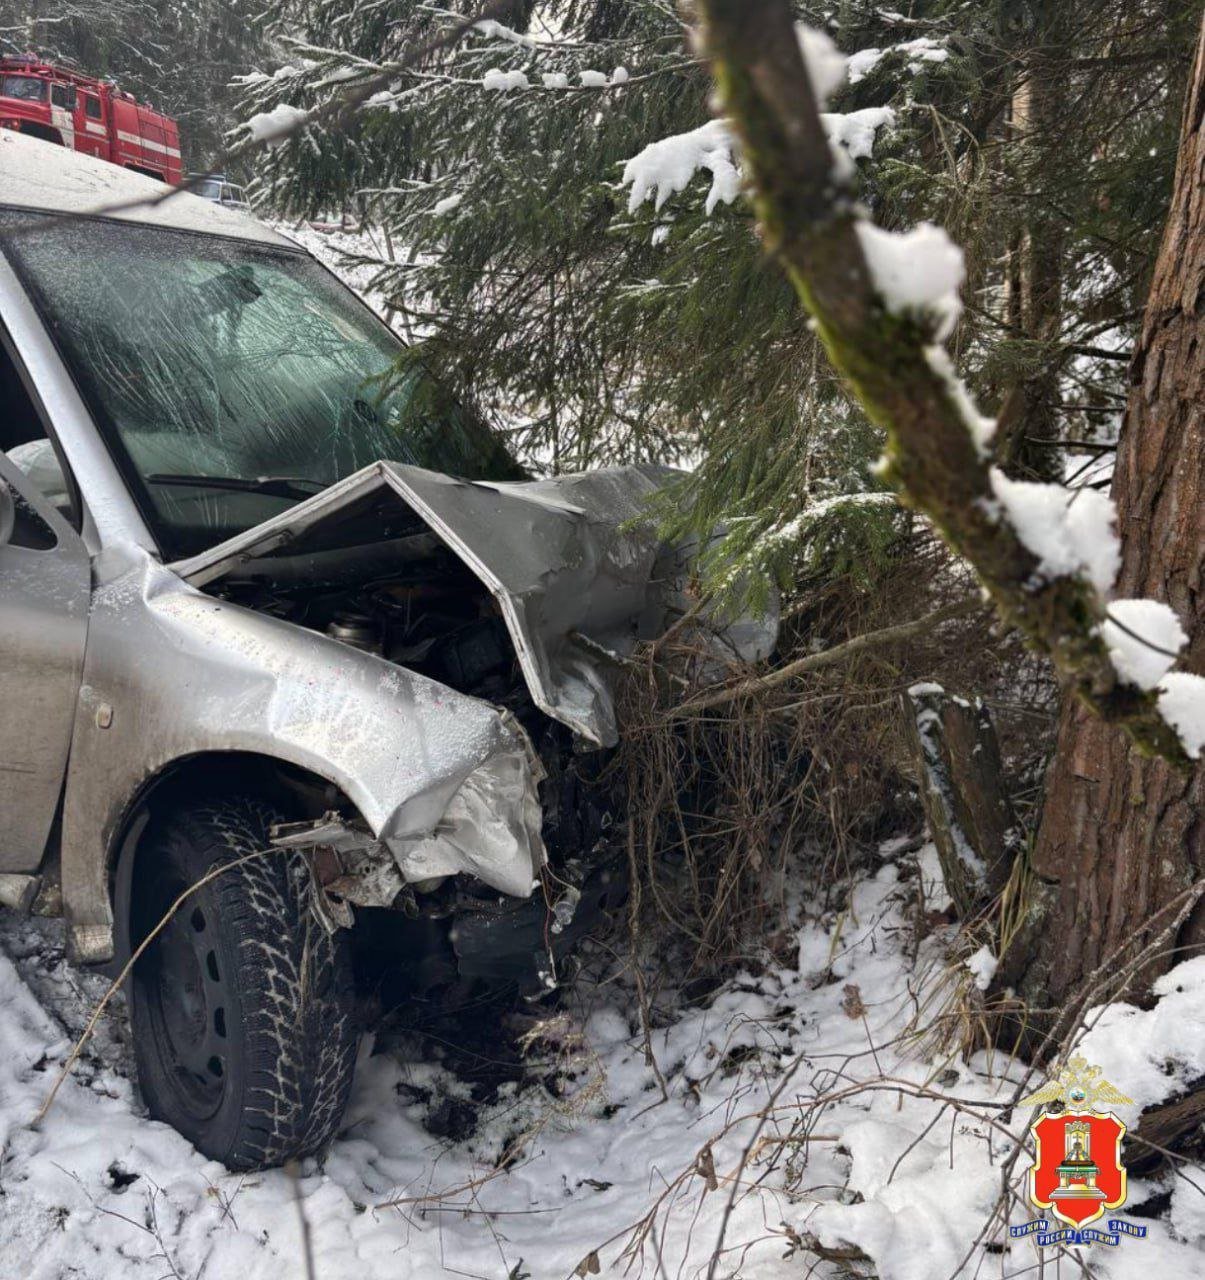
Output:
x=916 y=52
x=1069 y=530
x=448 y=204
x=923 y=687
x=1182 y=705
x=1144 y=637
x=825 y=63
x=926 y=1159
x=594 y=79
x=817 y=508
x=276 y=125
x=497 y=79
x=1152 y=1054
x=981 y=427
x=921 y=1196
x=982 y=966
x=555 y=80
x=668 y=165
x=856 y=130
x=916 y=272
x=493 y=30
x=937 y=896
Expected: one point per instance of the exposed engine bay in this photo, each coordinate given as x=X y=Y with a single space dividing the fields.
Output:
x=527 y=596
x=407 y=598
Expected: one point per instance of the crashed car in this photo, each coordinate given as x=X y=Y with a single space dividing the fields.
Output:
x=289 y=648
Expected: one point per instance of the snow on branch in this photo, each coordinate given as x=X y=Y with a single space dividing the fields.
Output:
x=669 y=165
x=495 y=30
x=883 y=303
x=916 y=53
x=273 y=127
x=666 y=167
x=495 y=78
x=916 y=271
x=1070 y=532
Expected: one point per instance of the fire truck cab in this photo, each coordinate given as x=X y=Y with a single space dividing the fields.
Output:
x=92 y=116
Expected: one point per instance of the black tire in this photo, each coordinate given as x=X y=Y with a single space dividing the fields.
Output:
x=242 y=1008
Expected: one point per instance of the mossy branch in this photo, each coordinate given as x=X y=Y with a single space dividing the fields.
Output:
x=808 y=222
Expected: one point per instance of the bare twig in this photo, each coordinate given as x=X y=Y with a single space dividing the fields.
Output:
x=307 y=1243
x=828 y=657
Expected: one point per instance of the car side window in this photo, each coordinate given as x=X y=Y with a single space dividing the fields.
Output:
x=24 y=441
x=91 y=107
x=29 y=529
x=62 y=96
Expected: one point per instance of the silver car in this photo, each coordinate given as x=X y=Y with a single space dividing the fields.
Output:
x=295 y=663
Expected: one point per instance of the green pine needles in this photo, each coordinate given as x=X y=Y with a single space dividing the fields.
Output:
x=1041 y=136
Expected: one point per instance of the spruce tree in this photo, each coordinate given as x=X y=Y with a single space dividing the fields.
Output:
x=596 y=329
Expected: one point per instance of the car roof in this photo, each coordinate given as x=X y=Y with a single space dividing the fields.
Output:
x=41 y=175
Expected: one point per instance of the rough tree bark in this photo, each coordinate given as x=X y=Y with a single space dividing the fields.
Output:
x=1120 y=835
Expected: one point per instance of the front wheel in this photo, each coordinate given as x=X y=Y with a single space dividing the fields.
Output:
x=242 y=1007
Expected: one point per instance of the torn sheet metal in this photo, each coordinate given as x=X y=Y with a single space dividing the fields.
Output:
x=490 y=828
x=554 y=554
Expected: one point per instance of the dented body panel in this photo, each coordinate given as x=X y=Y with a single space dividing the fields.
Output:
x=554 y=554
x=171 y=673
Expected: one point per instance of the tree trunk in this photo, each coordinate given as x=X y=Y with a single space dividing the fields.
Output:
x=1122 y=836
x=1029 y=429
x=957 y=758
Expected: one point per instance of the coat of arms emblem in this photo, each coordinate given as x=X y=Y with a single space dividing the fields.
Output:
x=1077 y=1173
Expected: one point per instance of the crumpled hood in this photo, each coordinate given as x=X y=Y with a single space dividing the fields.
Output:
x=569 y=579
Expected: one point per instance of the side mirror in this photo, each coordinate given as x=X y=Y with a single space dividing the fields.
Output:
x=8 y=514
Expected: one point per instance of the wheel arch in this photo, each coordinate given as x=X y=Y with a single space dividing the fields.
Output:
x=204 y=774
x=47 y=133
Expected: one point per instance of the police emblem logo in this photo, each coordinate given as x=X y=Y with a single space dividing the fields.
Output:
x=1077 y=1173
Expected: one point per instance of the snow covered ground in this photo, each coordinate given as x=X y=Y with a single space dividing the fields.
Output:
x=857 y=1136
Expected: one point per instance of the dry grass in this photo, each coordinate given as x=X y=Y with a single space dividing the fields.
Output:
x=719 y=800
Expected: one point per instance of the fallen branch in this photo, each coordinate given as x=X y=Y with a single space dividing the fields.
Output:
x=1162 y=1128
x=826 y=658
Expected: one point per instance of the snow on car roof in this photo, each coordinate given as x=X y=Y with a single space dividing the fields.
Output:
x=41 y=175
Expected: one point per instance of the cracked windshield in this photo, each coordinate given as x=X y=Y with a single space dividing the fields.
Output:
x=232 y=382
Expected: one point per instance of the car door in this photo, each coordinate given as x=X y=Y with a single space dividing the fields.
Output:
x=45 y=585
x=62 y=112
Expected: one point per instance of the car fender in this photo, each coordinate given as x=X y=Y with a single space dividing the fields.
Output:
x=170 y=673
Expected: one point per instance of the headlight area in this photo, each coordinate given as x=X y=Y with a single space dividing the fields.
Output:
x=490 y=829
x=475 y=901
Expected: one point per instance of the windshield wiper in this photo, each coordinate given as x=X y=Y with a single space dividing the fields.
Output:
x=272 y=486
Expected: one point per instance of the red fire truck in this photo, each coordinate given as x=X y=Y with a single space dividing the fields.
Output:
x=92 y=116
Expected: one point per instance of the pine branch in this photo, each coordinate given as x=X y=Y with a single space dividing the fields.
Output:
x=808 y=222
